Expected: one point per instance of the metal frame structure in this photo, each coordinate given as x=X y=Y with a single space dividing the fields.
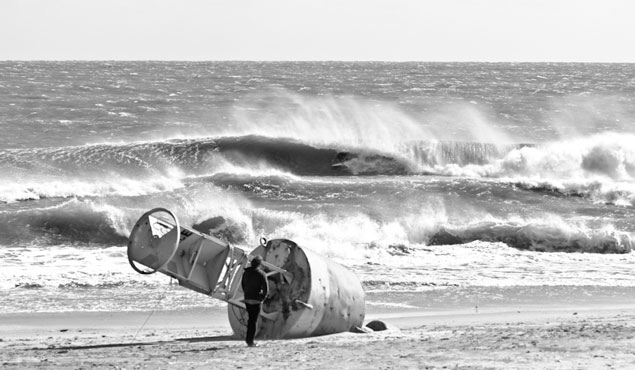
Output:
x=197 y=261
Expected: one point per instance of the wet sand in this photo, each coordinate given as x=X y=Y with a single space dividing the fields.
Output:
x=581 y=337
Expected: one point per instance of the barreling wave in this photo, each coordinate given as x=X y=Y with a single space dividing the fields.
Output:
x=588 y=167
x=191 y=156
x=135 y=169
x=194 y=156
x=145 y=168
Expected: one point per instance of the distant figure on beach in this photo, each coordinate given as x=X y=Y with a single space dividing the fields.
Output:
x=255 y=287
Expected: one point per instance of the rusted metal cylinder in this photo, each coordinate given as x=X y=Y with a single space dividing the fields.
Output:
x=315 y=297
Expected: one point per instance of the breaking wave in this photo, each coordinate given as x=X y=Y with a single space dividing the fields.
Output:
x=601 y=167
x=108 y=223
x=613 y=193
x=146 y=168
x=536 y=237
x=69 y=222
x=604 y=156
x=358 y=235
x=346 y=236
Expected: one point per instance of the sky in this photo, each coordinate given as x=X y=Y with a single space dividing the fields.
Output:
x=386 y=30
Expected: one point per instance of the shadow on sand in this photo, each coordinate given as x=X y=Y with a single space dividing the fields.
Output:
x=218 y=338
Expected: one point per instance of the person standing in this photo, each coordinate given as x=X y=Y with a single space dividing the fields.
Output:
x=256 y=288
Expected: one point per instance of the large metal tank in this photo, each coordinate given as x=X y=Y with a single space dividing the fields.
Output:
x=316 y=296
x=309 y=295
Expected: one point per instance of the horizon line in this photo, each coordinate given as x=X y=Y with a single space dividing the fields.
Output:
x=318 y=61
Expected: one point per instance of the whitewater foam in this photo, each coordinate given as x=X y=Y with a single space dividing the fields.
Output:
x=32 y=189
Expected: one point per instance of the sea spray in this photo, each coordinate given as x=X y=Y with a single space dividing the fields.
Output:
x=349 y=122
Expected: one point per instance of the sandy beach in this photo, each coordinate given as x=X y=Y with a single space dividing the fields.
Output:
x=583 y=337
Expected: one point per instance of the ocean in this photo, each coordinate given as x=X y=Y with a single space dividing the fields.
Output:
x=442 y=185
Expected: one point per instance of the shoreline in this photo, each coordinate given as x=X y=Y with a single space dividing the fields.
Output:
x=554 y=336
x=216 y=318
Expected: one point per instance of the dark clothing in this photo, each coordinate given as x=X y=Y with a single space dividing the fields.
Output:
x=255 y=287
x=253 y=310
x=254 y=284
